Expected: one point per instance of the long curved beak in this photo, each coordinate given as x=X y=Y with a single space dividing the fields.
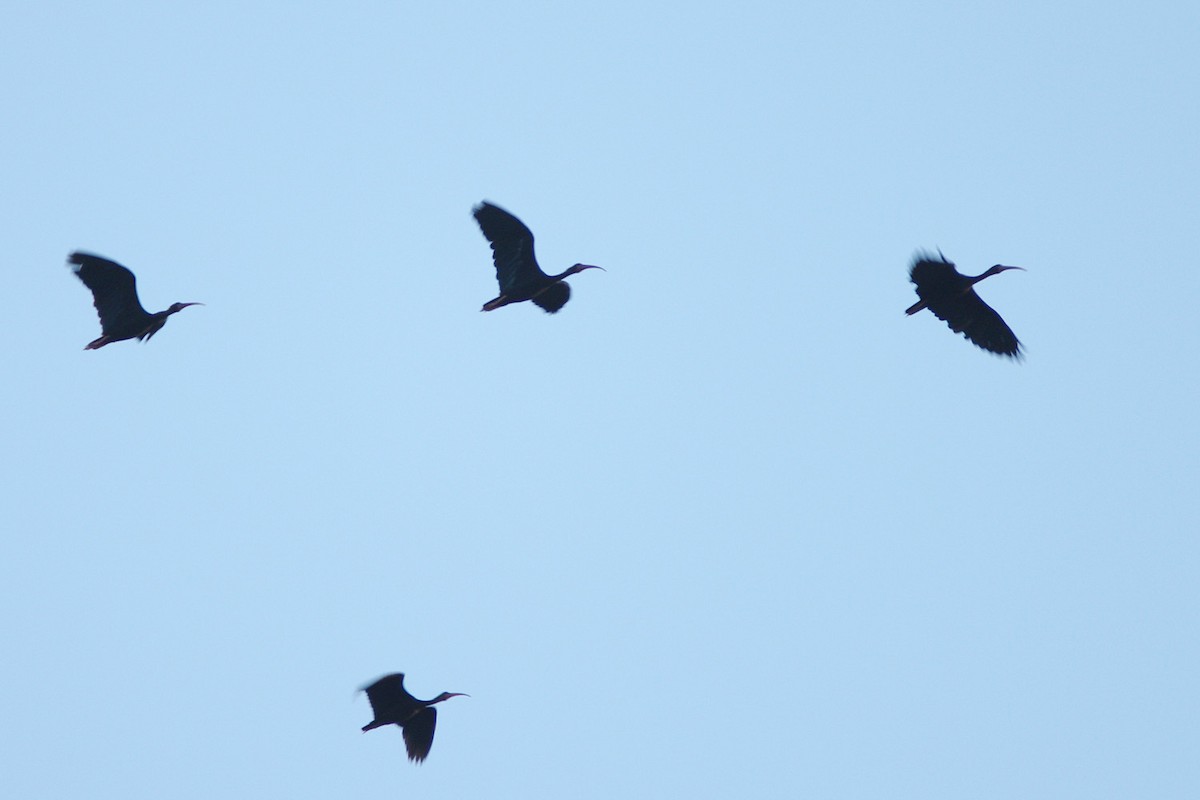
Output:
x=1002 y=268
x=591 y=266
x=185 y=305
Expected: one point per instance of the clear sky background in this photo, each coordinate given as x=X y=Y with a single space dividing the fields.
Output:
x=728 y=526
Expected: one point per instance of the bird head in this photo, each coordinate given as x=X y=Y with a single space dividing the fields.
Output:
x=582 y=267
x=447 y=696
x=996 y=270
x=181 y=306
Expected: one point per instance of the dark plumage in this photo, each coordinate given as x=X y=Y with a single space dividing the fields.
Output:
x=517 y=270
x=114 y=292
x=951 y=297
x=392 y=705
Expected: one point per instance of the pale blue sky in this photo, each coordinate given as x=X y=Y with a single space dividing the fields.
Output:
x=729 y=525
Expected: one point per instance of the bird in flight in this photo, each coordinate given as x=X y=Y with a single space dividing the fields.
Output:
x=393 y=705
x=951 y=297
x=114 y=291
x=517 y=270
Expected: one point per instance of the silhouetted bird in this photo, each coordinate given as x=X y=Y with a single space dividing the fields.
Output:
x=114 y=290
x=517 y=270
x=950 y=296
x=393 y=705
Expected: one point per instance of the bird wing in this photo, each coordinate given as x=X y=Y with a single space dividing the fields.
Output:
x=386 y=693
x=418 y=733
x=512 y=246
x=969 y=315
x=553 y=297
x=930 y=275
x=114 y=290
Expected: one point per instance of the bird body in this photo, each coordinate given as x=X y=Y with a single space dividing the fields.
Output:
x=393 y=705
x=517 y=270
x=114 y=293
x=951 y=297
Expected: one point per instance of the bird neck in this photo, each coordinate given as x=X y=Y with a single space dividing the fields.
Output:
x=990 y=271
x=572 y=270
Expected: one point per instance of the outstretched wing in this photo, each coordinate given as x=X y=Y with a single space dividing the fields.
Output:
x=386 y=693
x=969 y=315
x=934 y=278
x=512 y=247
x=418 y=733
x=114 y=292
x=553 y=297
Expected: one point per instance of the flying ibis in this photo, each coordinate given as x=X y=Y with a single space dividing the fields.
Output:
x=951 y=296
x=517 y=270
x=114 y=291
x=393 y=705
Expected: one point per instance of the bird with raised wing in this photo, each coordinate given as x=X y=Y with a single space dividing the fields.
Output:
x=517 y=270
x=114 y=292
x=951 y=297
x=393 y=705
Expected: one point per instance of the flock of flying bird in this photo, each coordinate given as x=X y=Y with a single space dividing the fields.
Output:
x=941 y=288
x=949 y=294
